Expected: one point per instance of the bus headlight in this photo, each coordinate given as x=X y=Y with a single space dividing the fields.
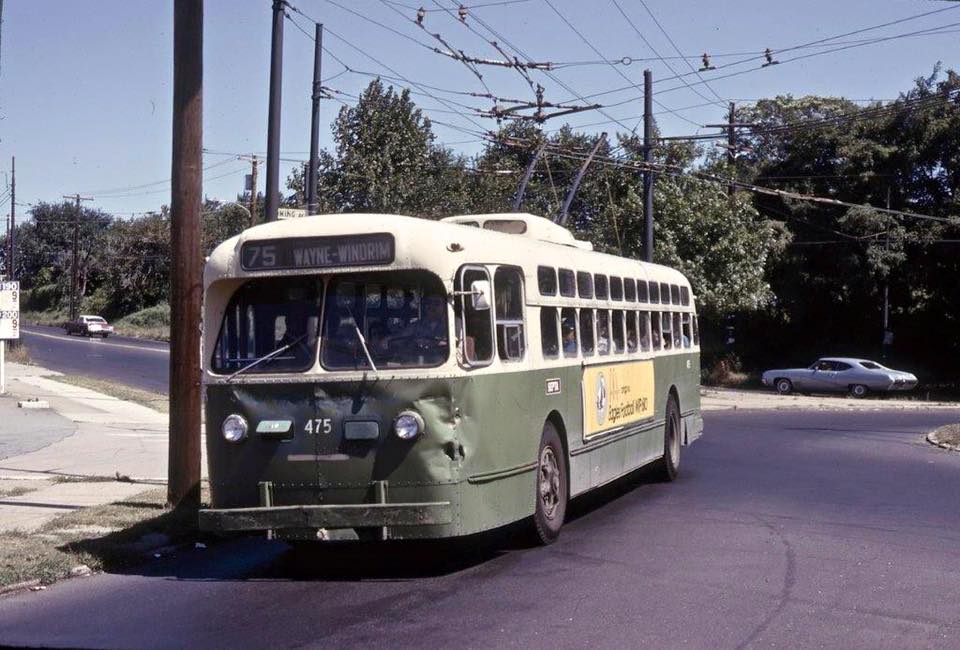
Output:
x=408 y=425
x=234 y=428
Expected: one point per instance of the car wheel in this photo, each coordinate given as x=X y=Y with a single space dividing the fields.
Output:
x=859 y=391
x=784 y=386
x=551 y=487
x=669 y=466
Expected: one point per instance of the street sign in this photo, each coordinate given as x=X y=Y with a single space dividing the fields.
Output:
x=9 y=310
x=290 y=213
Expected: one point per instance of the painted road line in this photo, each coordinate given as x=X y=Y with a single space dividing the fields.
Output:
x=90 y=342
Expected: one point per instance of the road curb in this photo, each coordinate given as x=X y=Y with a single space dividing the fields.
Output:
x=933 y=440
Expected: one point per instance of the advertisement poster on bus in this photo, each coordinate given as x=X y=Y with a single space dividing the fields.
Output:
x=615 y=396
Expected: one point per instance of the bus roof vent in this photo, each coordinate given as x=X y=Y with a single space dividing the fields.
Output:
x=527 y=225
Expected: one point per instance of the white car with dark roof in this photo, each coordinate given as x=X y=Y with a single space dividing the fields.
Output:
x=839 y=374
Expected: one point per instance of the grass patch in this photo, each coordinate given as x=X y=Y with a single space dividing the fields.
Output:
x=17 y=353
x=156 y=401
x=150 y=323
x=105 y=538
x=50 y=318
x=949 y=434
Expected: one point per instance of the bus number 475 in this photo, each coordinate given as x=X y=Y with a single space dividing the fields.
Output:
x=318 y=425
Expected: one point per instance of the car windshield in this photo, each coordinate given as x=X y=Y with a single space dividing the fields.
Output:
x=265 y=315
x=401 y=316
x=95 y=319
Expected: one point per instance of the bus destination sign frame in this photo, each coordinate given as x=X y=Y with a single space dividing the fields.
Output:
x=296 y=253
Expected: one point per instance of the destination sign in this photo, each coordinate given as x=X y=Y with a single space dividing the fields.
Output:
x=317 y=252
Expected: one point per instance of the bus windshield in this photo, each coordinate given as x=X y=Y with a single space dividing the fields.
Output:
x=401 y=316
x=263 y=316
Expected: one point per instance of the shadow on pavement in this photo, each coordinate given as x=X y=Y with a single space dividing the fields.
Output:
x=256 y=558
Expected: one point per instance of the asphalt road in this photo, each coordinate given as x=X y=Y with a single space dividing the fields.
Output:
x=134 y=362
x=785 y=529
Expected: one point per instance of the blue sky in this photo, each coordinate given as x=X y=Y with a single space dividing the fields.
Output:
x=85 y=87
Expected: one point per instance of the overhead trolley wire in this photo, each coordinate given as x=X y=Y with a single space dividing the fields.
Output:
x=928 y=30
x=446 y=102
x=653 y=49
x=615 y=68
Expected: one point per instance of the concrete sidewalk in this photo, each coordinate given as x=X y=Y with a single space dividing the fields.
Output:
x=718 y=399
x=113 y=438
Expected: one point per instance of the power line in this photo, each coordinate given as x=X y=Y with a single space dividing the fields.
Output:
x=680 y=172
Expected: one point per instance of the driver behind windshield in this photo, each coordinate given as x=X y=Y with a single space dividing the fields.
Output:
x=425 y=337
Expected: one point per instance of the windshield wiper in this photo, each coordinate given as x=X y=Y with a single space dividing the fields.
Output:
x=363 y=341
x=268 y=356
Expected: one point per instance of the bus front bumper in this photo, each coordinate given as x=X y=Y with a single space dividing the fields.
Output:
x=326 y=516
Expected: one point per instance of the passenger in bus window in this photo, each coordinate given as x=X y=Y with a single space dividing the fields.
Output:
x=603 y=332
x=568 y=327
x=655 y=333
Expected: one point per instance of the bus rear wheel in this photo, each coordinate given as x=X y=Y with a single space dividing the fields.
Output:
x=551 y=488
x=669 y=466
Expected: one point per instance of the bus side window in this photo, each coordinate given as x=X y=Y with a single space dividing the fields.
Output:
x=632 y=332
x=654 y=292
x=696 y=331
x=665 y=330
x=603 y=331
x=477 y=337
x=641 y=291
x=568 y=329
x=645 y=331
x=586 y=332
x=618 y=343
x=676 y=330
x=687 y=334
x=508 y=297
x=548 y=332
x=629 y=290
x=568 y=284
x=656 y=336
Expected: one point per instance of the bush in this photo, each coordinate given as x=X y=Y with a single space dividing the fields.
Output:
x=152 y=323
x=41 y=298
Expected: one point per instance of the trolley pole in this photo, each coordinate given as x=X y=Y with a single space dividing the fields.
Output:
x=312 y=200
x=183 y=473
x=75 y=264
x=273 y=117
x=648 y=159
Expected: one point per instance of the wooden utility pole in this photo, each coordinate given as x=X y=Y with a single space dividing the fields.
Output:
x=12 y=260
x=647 y=159
x=272 y=203
x=75 y=264
x=254 y=169
x=731 y=144
x=183 y=469
x=312 y=200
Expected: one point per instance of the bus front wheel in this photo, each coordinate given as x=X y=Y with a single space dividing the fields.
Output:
x=551 y=489
x=669 y=466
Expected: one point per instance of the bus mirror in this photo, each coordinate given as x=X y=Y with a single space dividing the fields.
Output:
x=480 y=295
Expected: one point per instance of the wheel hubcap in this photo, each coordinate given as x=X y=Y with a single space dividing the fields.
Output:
x=549 y=483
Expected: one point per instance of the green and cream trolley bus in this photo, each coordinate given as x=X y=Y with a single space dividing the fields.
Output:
x=390 y=377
